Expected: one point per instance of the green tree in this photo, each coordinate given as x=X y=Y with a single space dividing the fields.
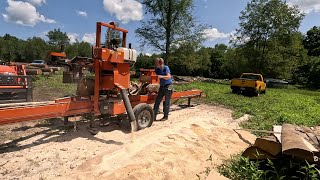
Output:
x=313 y=79
x=235 y=63
x=312 y=41
x=144 y=61
x=11 y=48
x=36 y=48
x=171 y=22
x=57 y=38
x=83 y=49
x=190 y=58
x=217 y=59
x=269 y=36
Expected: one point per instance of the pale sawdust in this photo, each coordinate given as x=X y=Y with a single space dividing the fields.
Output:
x=174 y=149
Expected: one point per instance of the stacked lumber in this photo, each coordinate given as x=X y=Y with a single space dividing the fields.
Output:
x=38 y=69
x=39 y=65
x=33 y=71
x=56 y=69
x=290 y=140
x=47 y=70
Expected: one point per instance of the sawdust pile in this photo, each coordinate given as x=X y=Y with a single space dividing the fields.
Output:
x=174 y=149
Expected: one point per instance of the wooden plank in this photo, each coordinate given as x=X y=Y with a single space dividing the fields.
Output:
x=277 y=132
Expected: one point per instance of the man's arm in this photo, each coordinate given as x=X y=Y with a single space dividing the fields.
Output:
x=166 y=77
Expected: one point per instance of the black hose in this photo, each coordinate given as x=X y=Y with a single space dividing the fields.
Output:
x=129 y=109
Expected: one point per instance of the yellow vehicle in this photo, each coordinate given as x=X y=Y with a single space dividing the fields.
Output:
x=249 y=83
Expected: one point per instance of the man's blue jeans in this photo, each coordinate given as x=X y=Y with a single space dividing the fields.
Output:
x=166 y=91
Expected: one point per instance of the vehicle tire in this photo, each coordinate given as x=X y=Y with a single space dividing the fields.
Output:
x=258 y=92
x=234 y=91
x=144 y=115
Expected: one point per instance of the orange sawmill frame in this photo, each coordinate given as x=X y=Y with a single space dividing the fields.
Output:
x=104 y=59
x=70 y=106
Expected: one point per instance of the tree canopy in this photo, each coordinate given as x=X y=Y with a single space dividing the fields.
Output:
x=171 y=22
x=268 y=34
x=312 y=41
x=57 y=38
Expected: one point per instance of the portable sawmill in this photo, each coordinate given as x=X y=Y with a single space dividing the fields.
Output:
x=108 y=94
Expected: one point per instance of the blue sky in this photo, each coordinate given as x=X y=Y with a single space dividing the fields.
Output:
x=28 y=18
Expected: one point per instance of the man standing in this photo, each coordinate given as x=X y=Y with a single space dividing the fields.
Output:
x=165 y=89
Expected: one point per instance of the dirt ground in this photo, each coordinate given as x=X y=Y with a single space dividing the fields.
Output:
x=187 y=146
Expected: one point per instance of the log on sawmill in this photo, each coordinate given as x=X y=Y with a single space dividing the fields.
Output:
x=49 y=70
x=85 y=87
x=33 y=71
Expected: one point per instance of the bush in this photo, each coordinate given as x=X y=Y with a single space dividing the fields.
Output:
x=239 y=168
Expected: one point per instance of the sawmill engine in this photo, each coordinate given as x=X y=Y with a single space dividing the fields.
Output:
x=130 y=55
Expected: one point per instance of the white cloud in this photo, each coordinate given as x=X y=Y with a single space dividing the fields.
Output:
x=124 y=10
x=148 y=54
x=89 y=37
x=214 y=34
x=306 y=6
x=43 y=35
x=73 y=37
x=82 y=13
x=36 y=2
x=24 y=13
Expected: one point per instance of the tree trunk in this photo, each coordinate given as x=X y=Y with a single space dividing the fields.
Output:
x=168 y=33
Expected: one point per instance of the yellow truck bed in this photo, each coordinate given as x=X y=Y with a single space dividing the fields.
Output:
x=249 y=83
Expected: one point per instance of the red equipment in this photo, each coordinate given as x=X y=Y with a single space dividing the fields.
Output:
x=15 y=85
x=108 y=96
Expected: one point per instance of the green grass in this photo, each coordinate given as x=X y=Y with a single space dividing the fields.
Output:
x=278 y=106
x=51 y=87
x=239 y=168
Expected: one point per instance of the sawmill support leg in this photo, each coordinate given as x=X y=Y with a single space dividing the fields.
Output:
x=92 y=118
x=65 y=120
x=189 y=102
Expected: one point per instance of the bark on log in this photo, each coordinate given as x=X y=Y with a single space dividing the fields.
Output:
x=269 y=144
x=40 y=65
x=85 y=87
x=47 y=70
x=254 y=153
x=295 y=145
x=56 y=68
x=33 y=71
